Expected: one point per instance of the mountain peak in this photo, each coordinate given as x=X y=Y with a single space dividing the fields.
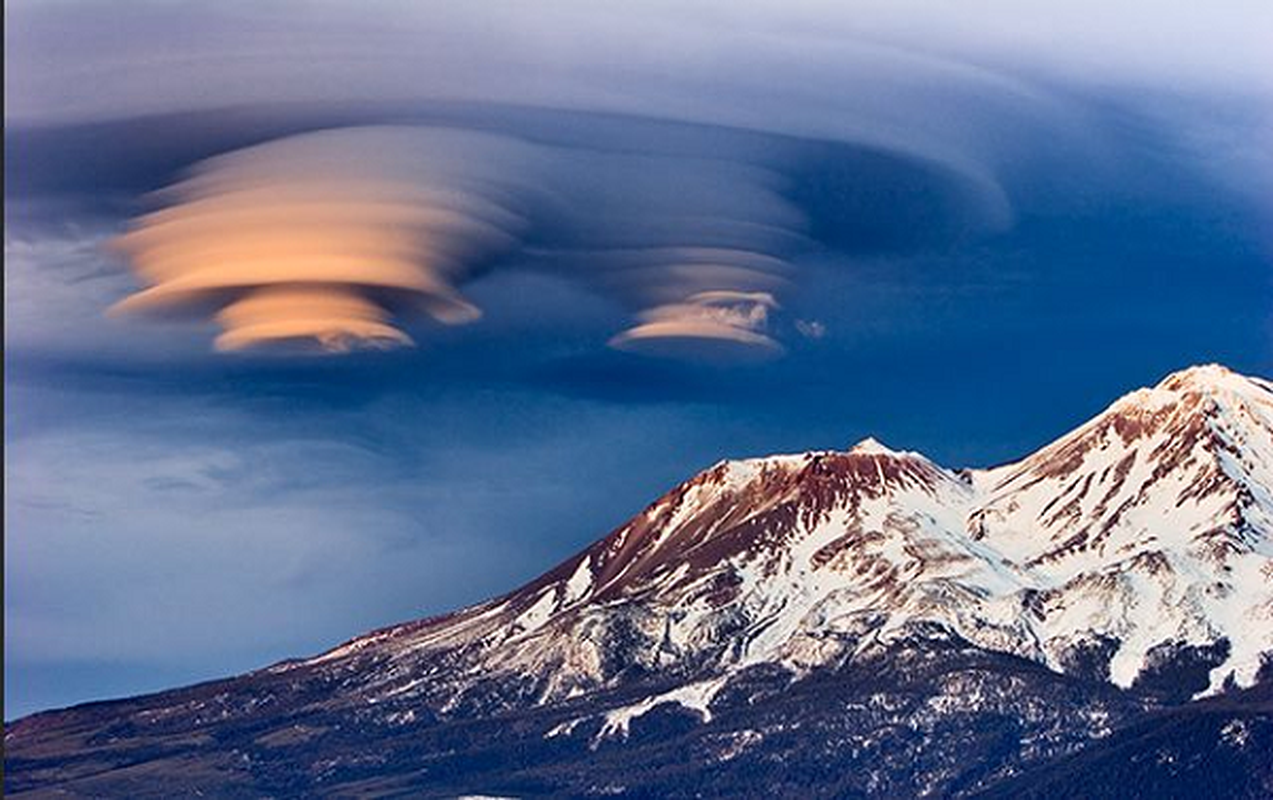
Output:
x=1207 y=378
x=1205 y=389
x=870 y=446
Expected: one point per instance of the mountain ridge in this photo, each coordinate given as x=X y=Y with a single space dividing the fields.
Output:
x=698 y=547
x=1124 y=566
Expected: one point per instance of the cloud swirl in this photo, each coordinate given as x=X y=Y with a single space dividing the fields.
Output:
x=356 y=172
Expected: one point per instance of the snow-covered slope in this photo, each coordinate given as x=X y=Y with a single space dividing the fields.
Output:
x=1143 y=535
x=1150 y=524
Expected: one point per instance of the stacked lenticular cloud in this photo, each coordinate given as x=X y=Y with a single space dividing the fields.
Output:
x=697 y=249
x=332 y=241
x=323 y=240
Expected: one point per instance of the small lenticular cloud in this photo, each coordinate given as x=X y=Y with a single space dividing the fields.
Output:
x=322 y=240
x=710 y=323
x=697 y=249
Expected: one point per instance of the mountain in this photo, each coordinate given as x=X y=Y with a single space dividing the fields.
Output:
x=860 y=623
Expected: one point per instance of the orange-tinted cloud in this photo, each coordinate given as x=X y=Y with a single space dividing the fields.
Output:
x=324 y=240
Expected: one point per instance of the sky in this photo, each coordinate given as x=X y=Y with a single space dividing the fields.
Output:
x=324 y=316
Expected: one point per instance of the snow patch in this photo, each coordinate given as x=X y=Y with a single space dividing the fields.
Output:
x=694 y=696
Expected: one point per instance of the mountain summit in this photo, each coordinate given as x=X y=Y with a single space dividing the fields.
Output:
x=867 y=603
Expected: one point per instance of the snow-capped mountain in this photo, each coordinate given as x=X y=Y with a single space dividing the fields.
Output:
x=1146 y=531
x=1127 y=564
x=1152 y=524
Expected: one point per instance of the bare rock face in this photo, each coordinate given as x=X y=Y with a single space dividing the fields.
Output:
x=862 y=622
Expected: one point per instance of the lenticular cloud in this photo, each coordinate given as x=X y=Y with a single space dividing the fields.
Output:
x=324 y=240
x=332 y=241
x=717 y=318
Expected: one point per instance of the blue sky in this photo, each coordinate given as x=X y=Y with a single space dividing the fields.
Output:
x=983 y=227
